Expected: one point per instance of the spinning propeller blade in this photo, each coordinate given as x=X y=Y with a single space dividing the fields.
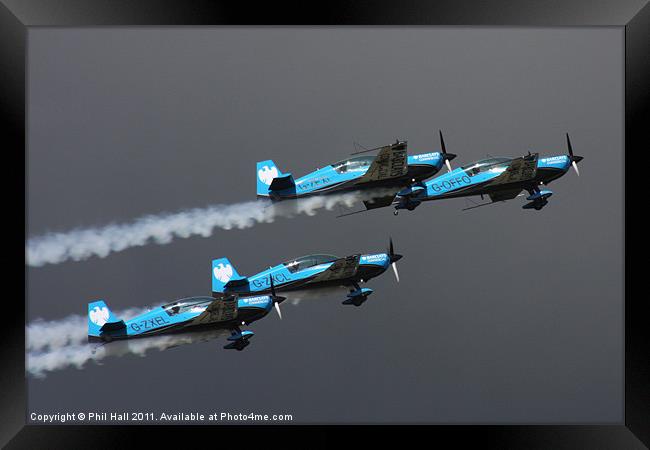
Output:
x=574 y=159
x=394 y=266
x=393 y=258
x=446 y=156
x=275 y=298
x=448 y=165
x=575 y=166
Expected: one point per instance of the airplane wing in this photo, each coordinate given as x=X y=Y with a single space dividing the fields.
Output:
x=375 y=203
x=221 y=309
x=390 y=162
x=342 y=268
x=379 y=202
x=520 y=169
x=500 y=196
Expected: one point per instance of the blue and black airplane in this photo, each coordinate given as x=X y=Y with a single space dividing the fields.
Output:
x=498 y=178
x=186 y=315
x=307 y=272
x=238 y=301
x=390 y=168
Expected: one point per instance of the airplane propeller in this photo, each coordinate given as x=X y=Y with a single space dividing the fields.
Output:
x=276 y=298
x=574 y=159
x=393 y=258
x=446 y=156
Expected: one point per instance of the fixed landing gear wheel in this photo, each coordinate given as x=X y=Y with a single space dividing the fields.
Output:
x=395 y=212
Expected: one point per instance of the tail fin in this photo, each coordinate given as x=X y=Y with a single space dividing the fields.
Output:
x=225 y=276
x=98 y=316
x=266 y=172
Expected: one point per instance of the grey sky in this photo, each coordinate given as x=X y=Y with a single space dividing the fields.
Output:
x=501 y=315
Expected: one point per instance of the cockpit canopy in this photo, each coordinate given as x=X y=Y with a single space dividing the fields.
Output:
x=487 y=165
x=304 y=262
x=357 y=164
x=190 y=304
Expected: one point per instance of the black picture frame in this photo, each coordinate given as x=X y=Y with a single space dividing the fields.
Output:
x=16 y=16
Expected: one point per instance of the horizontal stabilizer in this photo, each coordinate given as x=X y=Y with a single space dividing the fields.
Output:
x=112 y=326
x=225 y=276
x=236 y=281
x=285 y=181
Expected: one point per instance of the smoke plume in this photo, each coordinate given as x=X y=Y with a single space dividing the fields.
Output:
x=60 y=344
x=80 y=244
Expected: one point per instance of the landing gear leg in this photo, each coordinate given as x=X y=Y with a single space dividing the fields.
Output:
x=357 y=295
x=239 y=339
x=406 y=203
x=538 y=198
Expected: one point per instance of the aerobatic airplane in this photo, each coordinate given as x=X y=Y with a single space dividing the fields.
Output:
x=499 y=178
x=185 y=315
x=307 y=272
x=390 y=168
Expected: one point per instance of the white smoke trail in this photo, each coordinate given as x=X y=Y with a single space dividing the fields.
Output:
x=40 y=363
x=59 y=344
x=42 y=336
x=80 y=244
